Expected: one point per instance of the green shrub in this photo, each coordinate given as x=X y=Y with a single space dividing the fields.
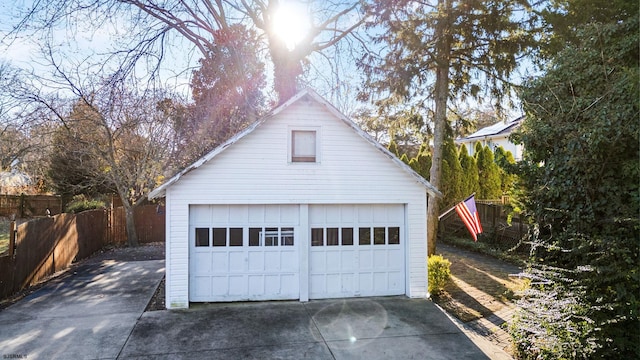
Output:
x=81 y=204
x=439 y=273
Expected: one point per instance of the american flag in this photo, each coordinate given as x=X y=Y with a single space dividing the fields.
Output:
x=469 y=215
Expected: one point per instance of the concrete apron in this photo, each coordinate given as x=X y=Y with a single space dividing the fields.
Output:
x=85 y=314
x=367 y=328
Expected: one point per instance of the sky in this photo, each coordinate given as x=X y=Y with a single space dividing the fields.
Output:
x=76 y=49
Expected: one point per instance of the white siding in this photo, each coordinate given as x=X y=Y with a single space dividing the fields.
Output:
x=256 y=170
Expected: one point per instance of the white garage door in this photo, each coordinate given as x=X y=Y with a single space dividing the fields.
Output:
x=356 y=250
x=243 y=252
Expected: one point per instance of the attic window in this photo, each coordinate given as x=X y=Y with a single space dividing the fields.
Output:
x=303 y=146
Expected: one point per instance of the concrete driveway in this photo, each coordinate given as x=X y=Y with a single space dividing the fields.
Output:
x=97 y=312
x=88 y=313
x=368 y=328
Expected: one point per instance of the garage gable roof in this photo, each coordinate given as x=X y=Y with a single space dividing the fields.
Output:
x=161 y=190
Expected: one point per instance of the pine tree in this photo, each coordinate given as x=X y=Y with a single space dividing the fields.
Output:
x=458 y=47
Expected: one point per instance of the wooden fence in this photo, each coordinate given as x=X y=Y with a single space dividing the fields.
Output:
x=497 y=230
x=23 y=206
x=43 y=246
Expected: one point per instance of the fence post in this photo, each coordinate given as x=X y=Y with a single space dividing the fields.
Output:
x=12 y=238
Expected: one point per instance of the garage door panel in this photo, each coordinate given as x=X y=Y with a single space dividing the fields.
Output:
x=317 y=284
x=256 y=285
x=317 y=261
x=366 y=260
x=237 y=285
x=271 y=284
x=205 y=260
x=289 y=261
x=334 y=283
x=243 y=252
x=219 y=286
x=272 y=261
x=369 y=257
x=202 y=285
x=256 y=261
x=365 y=283
x=380 y=259
x=218 y=262
x=380 y=281
x=348 y=261
x=288 y=283
x=237 y=262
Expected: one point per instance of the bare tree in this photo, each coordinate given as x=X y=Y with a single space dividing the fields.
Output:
x=153 y=24
x=110 y=134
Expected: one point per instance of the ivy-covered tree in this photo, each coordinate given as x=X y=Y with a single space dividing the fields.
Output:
x=470 y=179
x=580 y=177
x=226 y=90
x=488 y=174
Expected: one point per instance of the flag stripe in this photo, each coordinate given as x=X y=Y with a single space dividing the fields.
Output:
x=469 y=214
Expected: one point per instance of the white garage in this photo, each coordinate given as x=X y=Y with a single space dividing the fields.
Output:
x=301 y=205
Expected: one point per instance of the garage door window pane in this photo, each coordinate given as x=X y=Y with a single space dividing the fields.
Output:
x=287 y=236
x=364 y=236
x=347 y=236
x=219 y=236
x=317 y=237
x=378 y=235
x=254 y=236
x=202 y=236
x=235 y=237
x=332 y=236
x=394 y=235
x=271 y=237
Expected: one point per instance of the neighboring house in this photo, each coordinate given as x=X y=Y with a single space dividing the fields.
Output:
x=303 y=205
x=494 y=136
x=14 y=182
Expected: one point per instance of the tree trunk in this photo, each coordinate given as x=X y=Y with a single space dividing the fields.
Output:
x=286 y=69
x=132 y=235
x=443 y=49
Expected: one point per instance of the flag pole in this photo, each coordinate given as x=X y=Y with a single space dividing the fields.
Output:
x=454 y=206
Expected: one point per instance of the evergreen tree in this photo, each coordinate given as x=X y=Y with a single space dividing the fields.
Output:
x=452 y=176
x=393 y=148
x=506 y=163
x=421 y=163
x=488 y=174
x=470 y=179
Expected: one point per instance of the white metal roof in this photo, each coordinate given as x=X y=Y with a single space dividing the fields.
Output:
x=499 y=128
x=161 y=190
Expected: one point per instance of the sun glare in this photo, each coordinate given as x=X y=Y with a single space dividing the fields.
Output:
x=291 y=23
